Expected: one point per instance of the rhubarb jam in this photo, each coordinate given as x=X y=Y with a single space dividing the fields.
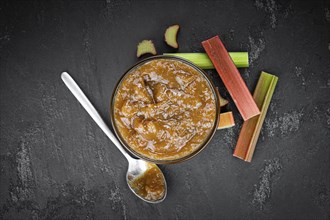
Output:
x=164 y=109
x=151 y=185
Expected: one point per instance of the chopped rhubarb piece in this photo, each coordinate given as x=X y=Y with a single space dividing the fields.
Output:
x=231 y=77
x=226 y=120
x=171 y=36
x=144 y=47
x=222 y=100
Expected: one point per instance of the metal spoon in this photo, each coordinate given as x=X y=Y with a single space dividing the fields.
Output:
x=136 y=167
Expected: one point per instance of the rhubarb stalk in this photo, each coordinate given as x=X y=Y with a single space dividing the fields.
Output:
x=251 y=128
x=231 y=77
x=240 y=59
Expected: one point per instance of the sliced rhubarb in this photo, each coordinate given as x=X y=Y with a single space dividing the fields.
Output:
x=145 y=47
x=226 y=120
x=222 y=100
x=171 y=35
x=251 y=128
x=231 y=77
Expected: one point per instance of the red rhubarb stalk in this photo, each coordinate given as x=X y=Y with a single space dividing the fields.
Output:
x=231 y=77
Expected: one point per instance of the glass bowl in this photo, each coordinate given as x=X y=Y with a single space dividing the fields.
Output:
x=202 y=145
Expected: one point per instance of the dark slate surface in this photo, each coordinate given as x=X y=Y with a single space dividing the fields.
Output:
x=57 y=164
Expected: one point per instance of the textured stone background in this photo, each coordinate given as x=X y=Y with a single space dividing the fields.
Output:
x=57 y=164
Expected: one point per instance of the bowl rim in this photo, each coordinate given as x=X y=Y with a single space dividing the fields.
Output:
x=171 y=161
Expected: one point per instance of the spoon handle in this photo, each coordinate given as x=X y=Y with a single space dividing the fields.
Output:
x=79 y=94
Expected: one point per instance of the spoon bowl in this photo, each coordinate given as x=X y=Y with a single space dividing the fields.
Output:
x=139 y=177
x=137 y=169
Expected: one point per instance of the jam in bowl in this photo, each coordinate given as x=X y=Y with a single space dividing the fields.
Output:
x=165 y=109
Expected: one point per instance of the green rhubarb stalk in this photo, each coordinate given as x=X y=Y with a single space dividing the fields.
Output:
x=251 y=128
x=240 y=59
